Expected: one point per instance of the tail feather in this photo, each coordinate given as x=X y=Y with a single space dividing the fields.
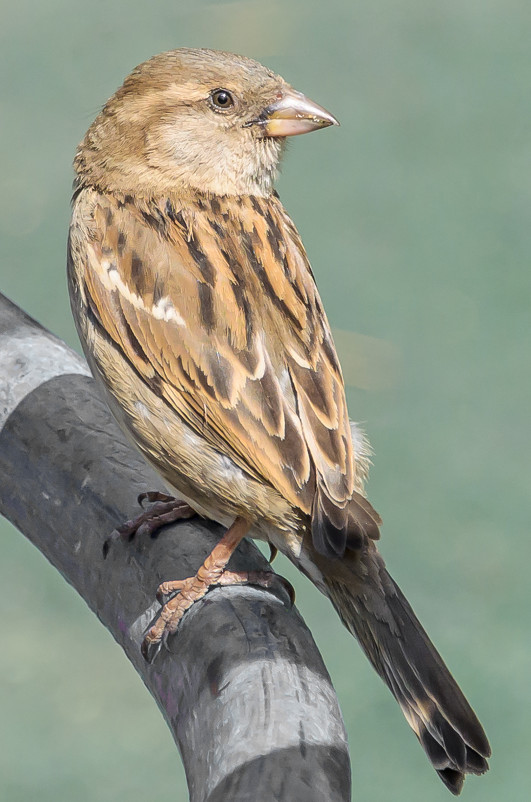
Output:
x=336 y=528
x=393 y=639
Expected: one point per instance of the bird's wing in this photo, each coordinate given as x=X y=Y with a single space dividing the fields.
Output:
x=216 y=302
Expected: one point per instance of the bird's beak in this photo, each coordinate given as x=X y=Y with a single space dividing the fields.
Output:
x=294 y=114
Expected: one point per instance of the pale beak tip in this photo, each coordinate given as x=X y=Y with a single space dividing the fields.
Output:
x=293 y=113
x=327 y=119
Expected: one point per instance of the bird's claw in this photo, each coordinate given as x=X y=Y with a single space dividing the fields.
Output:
x=288 y=587
x=164 y=510
x=177 y=596
x=153 y=495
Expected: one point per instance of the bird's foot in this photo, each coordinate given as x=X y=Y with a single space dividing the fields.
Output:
x=164 y=510
x=213 y=572
x=188 y=591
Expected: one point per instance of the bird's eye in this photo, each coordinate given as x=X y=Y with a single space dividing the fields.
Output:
x=222 y=99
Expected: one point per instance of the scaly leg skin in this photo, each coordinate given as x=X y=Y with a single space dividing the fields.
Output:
x=193 y=588
x=164 y=510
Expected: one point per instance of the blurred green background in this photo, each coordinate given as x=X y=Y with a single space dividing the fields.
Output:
x=415 y=214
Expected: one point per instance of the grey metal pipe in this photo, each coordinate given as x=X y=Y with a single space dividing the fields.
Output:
x=241 y=685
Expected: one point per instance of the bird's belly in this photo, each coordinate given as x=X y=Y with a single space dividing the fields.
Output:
x=211 y=482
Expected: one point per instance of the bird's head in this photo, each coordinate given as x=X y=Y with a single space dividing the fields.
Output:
x=195 y=120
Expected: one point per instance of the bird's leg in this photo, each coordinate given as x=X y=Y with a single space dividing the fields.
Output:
x=211 y=573
x=164 y=510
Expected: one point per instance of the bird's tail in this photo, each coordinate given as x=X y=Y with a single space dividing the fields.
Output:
x=399 y=649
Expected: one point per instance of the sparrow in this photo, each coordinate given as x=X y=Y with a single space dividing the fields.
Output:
x=199 y=316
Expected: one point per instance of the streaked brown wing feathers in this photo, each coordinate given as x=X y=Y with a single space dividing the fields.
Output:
x=227 y=317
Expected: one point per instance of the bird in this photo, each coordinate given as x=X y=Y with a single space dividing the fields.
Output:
x=200 y=318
